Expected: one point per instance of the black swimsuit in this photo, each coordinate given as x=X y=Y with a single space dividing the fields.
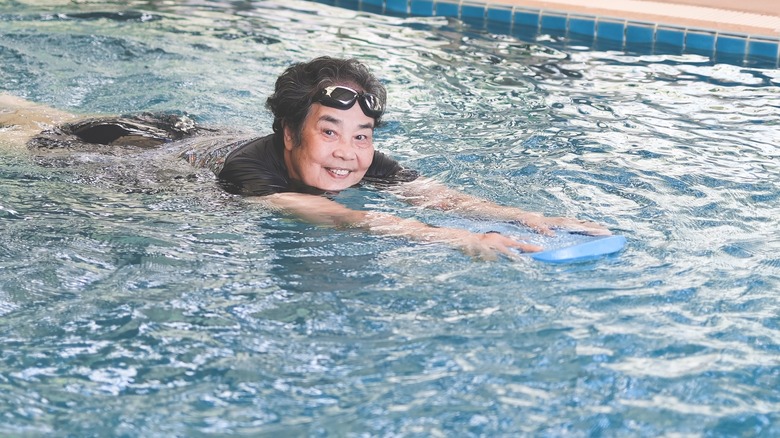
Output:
x=142 y=131
x=252 y=167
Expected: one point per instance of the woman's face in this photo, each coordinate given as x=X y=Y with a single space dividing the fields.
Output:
x=337 y=147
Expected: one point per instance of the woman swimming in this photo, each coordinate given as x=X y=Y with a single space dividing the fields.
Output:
x=325 y=113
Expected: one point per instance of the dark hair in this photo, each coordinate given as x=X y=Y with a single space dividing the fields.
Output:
x=296 y=87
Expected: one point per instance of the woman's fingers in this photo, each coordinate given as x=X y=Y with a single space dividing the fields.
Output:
x=545 y=225
x=585 y=227
x=538 y=223
x=489 y=246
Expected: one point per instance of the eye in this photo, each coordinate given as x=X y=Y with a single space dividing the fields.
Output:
x=363 y=140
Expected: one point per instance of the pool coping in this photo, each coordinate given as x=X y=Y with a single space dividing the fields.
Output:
x=600 y=26
x=751 y=17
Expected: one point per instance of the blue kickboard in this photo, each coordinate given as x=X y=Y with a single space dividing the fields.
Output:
x=589 y=249
x=564 y=247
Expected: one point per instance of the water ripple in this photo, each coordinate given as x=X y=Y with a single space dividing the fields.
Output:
x=137 y=299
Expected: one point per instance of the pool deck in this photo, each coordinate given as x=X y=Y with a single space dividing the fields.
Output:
x=751 y=17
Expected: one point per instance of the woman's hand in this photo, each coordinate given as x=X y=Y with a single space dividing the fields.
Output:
x=546 y=225
x=489 y=246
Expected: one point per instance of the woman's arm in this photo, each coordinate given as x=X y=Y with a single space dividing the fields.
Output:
x=431 y=194
x=323 y=211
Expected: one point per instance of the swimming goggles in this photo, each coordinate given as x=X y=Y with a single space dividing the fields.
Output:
x=344 y=98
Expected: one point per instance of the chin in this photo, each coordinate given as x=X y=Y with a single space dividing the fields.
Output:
x=339 y=187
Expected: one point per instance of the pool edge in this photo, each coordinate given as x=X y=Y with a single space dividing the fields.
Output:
x=563 y=18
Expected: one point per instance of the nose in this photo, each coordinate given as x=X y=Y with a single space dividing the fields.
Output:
x=344 y=150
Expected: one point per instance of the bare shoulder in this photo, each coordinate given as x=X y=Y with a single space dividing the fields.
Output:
x=21 y=119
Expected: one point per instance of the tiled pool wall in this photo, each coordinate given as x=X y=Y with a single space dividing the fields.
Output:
x=600 y=32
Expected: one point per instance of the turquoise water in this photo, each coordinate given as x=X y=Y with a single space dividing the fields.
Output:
x=137 y=299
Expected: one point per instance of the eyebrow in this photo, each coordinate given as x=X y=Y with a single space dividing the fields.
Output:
x=329 y=118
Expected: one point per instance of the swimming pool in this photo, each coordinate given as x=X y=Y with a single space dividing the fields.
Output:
x=136 y=299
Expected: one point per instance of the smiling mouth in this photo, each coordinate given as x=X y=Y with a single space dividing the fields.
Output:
x=339 y=172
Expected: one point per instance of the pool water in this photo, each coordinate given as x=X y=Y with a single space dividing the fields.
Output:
x=137 y=299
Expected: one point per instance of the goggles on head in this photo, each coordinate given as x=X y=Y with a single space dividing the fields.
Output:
x=344 y=98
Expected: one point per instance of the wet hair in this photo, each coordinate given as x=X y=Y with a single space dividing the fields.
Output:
x=296 y=87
